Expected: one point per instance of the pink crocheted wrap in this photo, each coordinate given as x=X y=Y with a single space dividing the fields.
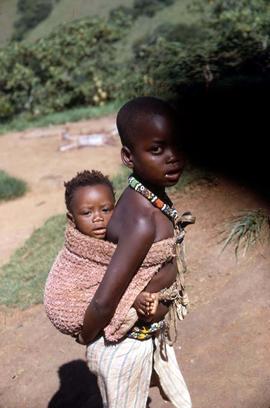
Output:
x=77 y=273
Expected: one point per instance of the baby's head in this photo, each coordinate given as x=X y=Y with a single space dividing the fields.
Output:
x=90 y=201
x=150 y=134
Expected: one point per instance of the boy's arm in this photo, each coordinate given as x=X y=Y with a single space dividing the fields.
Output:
x=133 y=245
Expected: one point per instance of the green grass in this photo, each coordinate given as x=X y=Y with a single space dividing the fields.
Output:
x=68 y=10
x=11 y=187
x=8 y=15
x=22 y=279
x=120 y=180
x=174 y=14
x=245 y=230
x=59 y=118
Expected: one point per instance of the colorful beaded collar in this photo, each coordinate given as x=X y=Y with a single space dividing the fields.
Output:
x=170 y=212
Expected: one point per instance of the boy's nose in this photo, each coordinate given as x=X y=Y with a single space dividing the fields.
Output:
x=174 y=155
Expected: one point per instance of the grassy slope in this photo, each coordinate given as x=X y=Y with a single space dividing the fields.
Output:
x=177 y=13
x=7 y=18
x=68 y=10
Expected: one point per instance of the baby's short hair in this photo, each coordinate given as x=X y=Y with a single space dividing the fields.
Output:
x=83 y=179
x=137 y=109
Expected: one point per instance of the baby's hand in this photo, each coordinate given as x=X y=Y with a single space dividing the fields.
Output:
x=146 y=303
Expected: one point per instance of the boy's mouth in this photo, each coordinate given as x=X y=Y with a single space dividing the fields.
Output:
x=173 y=174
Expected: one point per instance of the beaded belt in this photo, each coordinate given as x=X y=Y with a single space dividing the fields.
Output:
x=145 y=331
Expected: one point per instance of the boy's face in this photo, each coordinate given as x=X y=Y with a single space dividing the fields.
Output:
x=156 y=157
x=92 y=208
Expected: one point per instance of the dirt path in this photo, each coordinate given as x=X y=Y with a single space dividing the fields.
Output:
x=223 y=345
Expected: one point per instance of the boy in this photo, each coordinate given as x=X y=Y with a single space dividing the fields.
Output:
x=76 y=273
x=149 y=132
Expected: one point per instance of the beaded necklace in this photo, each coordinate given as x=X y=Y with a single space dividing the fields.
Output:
x=171 y=212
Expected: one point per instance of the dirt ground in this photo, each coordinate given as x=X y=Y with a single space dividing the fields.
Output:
x=223 y=344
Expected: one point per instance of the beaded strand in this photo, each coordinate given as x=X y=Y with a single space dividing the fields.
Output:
x=170 y=212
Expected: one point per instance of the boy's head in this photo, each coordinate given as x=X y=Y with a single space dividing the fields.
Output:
x=150 y=132
x=90 y=200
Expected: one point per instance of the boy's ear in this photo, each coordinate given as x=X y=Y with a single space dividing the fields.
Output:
x=126 y=157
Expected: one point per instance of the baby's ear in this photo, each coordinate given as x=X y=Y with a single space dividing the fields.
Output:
x=69 y=216
x=126 y=157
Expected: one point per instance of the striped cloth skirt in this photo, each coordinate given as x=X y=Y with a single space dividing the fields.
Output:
x=124 y=372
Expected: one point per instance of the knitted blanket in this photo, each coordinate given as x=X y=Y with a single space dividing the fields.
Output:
x=77 y=272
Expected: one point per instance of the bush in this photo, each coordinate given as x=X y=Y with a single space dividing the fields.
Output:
x=74 y=66
x=231 y=40
x=77 y=64
x=10 y=187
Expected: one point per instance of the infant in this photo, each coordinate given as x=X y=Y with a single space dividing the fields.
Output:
x=90 y=201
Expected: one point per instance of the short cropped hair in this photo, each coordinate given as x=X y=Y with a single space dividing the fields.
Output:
x=131 y=114
x=83 y=179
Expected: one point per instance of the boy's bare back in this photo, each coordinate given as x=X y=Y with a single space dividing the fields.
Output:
x=140 y=212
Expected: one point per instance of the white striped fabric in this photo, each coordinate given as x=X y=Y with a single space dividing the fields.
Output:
x=170 y=376
x=124 y=370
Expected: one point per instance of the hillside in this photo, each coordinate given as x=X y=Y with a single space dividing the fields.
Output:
x=65 y=11
x=68 y=10
x=7 y=17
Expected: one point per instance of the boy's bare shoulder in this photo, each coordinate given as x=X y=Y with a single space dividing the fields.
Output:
x=135 y=204
x=132 y=214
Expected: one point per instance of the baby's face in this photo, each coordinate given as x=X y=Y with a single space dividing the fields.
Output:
x=92 y=208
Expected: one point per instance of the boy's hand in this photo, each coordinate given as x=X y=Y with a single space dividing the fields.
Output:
x=146 y=303
x=79 y=339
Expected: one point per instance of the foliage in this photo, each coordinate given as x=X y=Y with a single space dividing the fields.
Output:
x=77 y=64
x=11 y=187
x=122 y=16
x=74 y=66
x=247 y=229
x=231 y=39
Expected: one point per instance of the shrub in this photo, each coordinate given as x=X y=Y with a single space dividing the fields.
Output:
x=10 y=187
x=74 y=66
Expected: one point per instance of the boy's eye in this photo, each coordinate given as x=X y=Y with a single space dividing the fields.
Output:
x=156 y=149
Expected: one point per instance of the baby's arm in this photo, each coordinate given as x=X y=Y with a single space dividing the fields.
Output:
x=146 y=303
